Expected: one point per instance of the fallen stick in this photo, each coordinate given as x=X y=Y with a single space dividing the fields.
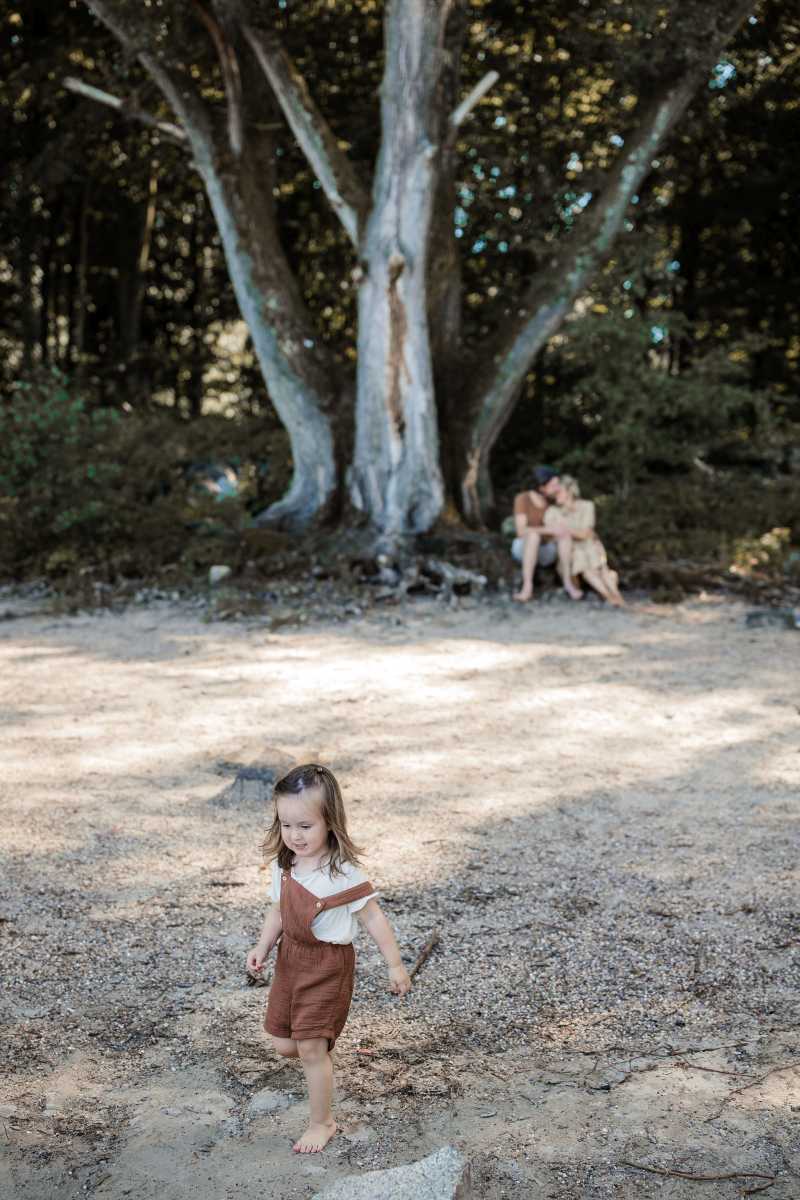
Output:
x=681 y=1062
x=424 y=953
x=792 y=1066
x=698 y=1178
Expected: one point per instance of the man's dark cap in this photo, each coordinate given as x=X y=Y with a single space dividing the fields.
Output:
x=543 y=474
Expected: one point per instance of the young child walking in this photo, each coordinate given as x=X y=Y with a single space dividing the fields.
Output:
x=319 y=897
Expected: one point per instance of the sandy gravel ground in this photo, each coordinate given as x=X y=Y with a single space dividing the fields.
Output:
x=597 y=809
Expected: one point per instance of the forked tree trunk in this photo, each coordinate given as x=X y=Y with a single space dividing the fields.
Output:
x=235 y=160
x=395 y=475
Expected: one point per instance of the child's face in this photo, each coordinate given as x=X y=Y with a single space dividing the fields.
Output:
x=302 y=826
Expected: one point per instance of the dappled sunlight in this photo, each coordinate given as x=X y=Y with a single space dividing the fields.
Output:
x=593 y=810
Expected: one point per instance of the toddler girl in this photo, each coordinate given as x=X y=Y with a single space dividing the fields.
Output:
x=318 y=895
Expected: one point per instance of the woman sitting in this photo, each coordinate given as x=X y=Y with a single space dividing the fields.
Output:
x=588 y=553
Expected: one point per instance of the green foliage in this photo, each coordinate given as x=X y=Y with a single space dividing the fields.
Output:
x=53 y=470
x=769 y=554
x=87 y=487
x=705 y=253
x=626 y=414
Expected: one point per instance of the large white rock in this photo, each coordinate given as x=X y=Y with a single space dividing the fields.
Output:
x=267 y=1101
x=217 y=574
x=443 y=1175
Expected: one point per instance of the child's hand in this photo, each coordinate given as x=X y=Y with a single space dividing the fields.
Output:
x=399 y=980
x=255 y=959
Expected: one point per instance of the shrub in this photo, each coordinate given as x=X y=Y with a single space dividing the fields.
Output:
x=87 y=487
x=55 y=476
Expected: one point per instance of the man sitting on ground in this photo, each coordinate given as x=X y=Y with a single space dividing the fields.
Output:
x=535 y=546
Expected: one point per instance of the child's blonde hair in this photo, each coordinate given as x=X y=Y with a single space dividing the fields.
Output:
x=341 y=848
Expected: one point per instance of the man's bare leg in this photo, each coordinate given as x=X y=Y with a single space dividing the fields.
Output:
x=530 y=555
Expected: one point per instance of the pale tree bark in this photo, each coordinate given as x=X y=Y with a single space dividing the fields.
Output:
x=395 y=475
x=552 y=294
x=235 y=161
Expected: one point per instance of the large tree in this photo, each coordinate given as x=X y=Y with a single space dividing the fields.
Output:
x=380 y=429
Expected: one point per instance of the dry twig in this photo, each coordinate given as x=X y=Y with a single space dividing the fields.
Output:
x=424 y=953
x=701 y=1178
x=681 y=1062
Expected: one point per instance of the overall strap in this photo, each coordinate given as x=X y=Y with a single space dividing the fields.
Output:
x=354 y=893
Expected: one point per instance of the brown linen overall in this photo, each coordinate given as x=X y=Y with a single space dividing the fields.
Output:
x=313 y=983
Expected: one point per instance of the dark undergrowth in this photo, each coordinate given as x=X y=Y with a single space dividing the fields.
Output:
x=97 y=504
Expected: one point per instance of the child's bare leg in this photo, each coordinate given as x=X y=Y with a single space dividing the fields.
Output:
x=530 y=554
x=286 y=1047
x=318 y=1068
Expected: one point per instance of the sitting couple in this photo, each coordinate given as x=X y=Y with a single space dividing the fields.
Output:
x=555 y=527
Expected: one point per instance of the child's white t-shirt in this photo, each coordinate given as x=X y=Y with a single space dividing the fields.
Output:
x=338 y=924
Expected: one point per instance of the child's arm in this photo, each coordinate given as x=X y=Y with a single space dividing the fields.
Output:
x=269 y=936
x=379 y=929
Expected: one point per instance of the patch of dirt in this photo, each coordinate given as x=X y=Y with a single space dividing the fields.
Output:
x=598 y=810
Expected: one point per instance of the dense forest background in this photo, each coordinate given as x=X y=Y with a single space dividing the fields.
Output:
x=136 y=429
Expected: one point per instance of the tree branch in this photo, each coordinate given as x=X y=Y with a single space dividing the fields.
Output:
x=459 y=115
x=177 y=88
x=231 y=78
x=578 y=257
x=126 y=107
x=333 y=169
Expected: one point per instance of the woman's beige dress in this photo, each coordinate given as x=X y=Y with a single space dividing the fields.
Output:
x=588 y=554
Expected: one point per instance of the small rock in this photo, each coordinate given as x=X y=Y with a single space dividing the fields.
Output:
x=217 y=574
x=267 y=1101
x=443 y=1175
x=789 y=618
x=360 y=1134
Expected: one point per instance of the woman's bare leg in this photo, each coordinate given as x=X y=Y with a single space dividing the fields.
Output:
x=565 y=567
x=530 y=555
x=611 y=579
x=318 y=1068
x=595 y=579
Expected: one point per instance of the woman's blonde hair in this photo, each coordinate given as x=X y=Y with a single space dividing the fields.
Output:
x=341 y=849
x=571 y=484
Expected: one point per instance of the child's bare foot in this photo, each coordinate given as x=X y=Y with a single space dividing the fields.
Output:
x=572 y=591
x=523 y=596
x=315 y=1138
